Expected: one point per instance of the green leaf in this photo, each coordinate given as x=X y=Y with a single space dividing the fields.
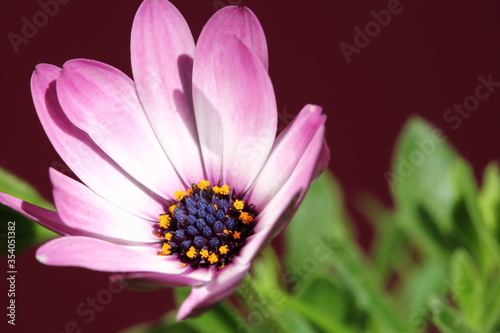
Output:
x=390 y=243
x=470 y=230
x=489 y=199
x=447 y=319
x=420 y=283
x=320 y=214
x=13 y=185
x=423 y=184
x=367 y=292
x=467 y=287
x=27 y=232
x=491 y=303
x=325 y=296
x=318 y=239
x=265 y=272
x=327 y=305
x=294 y=322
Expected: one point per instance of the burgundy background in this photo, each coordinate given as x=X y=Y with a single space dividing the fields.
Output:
x=424 y=61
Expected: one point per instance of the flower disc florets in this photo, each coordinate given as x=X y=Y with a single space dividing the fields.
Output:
x=205 y=226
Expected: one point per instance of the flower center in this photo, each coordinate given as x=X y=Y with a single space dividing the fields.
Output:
x=205 y=226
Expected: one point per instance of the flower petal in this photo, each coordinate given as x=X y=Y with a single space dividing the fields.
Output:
x=202 y=298
x=235 y=110
x=281 y=208
x=99 y=255
x=240 y=22
x=162 y=50
x=288 y=148
x=82 y=209
x=81 y=154
x=102 y=101
x=150 y=280
x=46 y=218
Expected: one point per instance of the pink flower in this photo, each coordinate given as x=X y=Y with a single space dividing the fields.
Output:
x=182 y=179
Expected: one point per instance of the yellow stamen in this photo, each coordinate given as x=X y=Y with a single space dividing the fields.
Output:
x=238 y=204
x=213 y=258
x=191 y=253
x=183 y=264
x=223 y=249
x=236 y=235
x=204 y=253
x=246 y=217
x=216 y=189
x=179 y=195
x=168 y=236
x=165 y=250
x=165 y=221
x=172 y=208
x=222 y=266
x=188 y=192
x=203 y=184
x=224 y=189
x=227 y=232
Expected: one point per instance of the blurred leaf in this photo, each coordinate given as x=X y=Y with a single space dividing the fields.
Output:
x=423 y=184
x=320 y=224
x=390 y=243
x=368 y=294
x=11 y=184
x=389 y=248
x=320 y=214
x=325 y=296
x=489 y=199
x=27 y=231
x=326 y=304
x=421 y=283
x=491 y=303
x=470 y=229
x=265 y=272
x=447 y=319
x=467 y=287
x=293 y=322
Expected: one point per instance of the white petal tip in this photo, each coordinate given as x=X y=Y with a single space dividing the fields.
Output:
x=314 y=108
x=41 y=258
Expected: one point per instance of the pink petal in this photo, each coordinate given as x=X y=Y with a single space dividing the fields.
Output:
x=286 y=153
x=202 y=298
x=162 y=50
x=235 y=110
x=81 y=154
x=99 y=255
x=323 y=160
x=102 y=101
x=46 y=218
x=149 y=280
x=82 y=209
x=240 y=22
x=281 y=208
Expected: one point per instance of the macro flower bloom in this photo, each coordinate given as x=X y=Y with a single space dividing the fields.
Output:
x=181 y=177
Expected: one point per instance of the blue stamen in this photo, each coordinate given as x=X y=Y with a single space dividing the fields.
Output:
x=205 y=220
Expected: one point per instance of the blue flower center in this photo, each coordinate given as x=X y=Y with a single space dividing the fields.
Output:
x=205 y=226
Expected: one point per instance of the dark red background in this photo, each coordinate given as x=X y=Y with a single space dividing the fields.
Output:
x=424 y=61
